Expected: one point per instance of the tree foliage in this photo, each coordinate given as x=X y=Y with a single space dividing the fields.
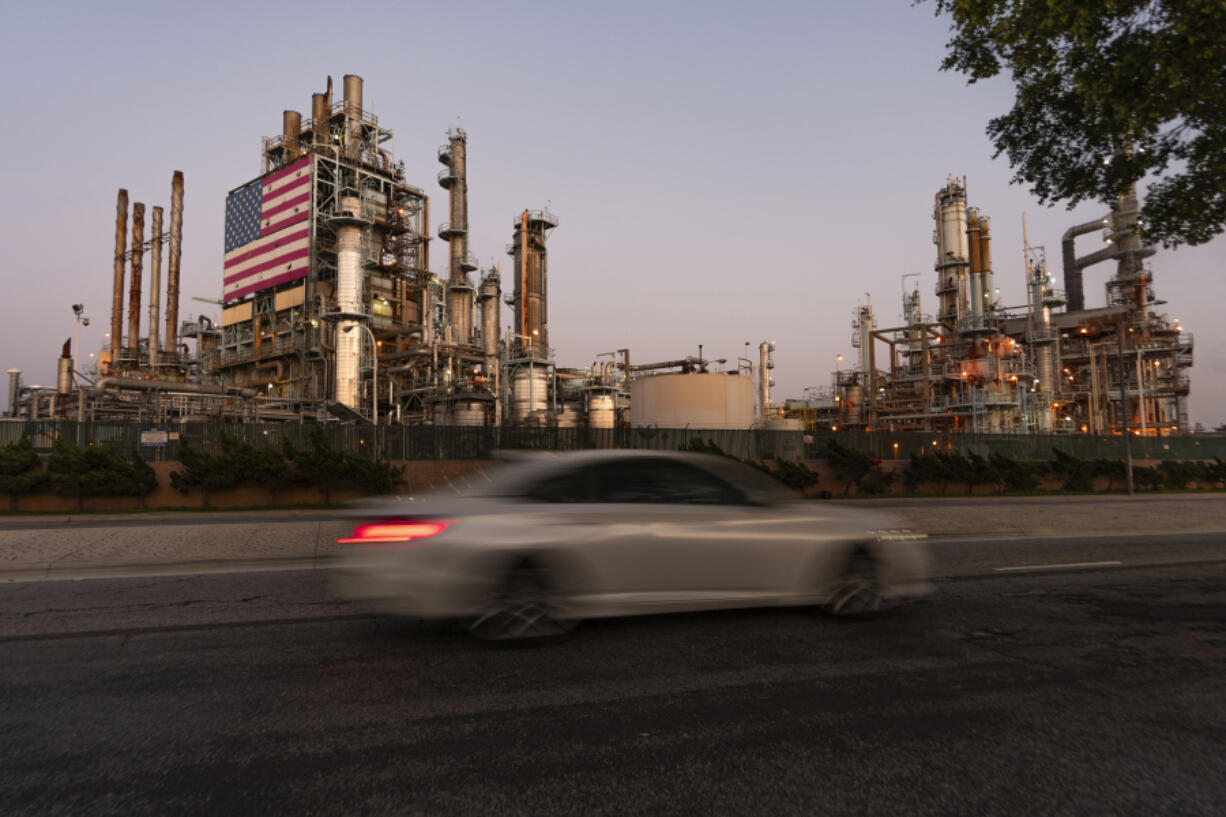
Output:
x=1108 y=92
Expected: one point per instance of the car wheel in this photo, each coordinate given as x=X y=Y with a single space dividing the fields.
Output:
x=857 y=590
x=522 y=606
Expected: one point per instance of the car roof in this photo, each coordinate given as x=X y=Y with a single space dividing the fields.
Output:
x=525 y=468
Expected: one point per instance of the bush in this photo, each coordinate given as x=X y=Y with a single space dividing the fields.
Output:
x=1016 y=475
x=95 y=471
x=21 y=471
x=1077 y=473
x=793 y=474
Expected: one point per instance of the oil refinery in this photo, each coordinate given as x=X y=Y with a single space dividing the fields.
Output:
x=1050 y=365
x=330 y=313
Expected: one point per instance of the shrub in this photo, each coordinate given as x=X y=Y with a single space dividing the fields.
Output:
x=1077 y=473
x=96 y=471
x=21 y=470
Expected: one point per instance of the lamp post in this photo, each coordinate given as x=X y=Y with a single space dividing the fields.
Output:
x=374 y=370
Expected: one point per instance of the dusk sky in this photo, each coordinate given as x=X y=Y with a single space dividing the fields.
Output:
x=722 y=172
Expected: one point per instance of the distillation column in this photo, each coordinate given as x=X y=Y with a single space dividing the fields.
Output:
x=531 y=282
x=490 y=298
x=460 y=290
x=350 y=333
x=952 y=265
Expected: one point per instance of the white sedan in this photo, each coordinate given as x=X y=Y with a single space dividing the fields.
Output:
x=548 y=542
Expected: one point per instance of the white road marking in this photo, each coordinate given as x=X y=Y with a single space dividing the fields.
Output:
x=1064 y=566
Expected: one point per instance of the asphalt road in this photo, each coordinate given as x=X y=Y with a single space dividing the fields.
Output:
x=1042 y=678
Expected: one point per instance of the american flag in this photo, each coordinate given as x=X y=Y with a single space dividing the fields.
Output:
x=268 y=231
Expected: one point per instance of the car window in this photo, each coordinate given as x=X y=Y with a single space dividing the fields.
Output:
x=569 y=486
x=658 y=480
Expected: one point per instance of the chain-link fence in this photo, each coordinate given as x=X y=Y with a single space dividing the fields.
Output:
x=456 y=443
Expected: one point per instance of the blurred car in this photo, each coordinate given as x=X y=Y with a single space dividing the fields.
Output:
x=548 y=542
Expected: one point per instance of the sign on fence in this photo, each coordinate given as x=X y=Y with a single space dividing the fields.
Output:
x=154 y=437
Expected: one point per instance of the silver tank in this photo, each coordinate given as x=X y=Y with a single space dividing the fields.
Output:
x=601 y=411
x=468 y=413
x=529 y=393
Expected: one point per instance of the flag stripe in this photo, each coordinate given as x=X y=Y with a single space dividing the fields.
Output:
x=289 y=220
x=281 y=174
x=244 y=255
x=270 y=192
x=265 y=284
x=285 y=204
x=272 y=263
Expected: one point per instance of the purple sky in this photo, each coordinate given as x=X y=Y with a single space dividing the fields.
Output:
x=723 y=172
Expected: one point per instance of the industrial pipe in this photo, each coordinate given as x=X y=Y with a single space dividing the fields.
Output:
x=155 y=285
x=106 y=383
x=172 y=275
x=1074 y=290
x=138 y=254
x=121 y=245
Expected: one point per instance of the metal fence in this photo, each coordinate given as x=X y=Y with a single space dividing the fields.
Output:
x=454 y=443
x=902 y=445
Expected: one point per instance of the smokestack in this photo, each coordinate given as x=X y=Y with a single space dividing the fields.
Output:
x=121 y=246
x=172 y=274
x=138 y=240
x=63 y=371
x=319 y=117
x=14 y=389
x=155 y=285
x=353 y=116
x=291 y=127
x=353 y=96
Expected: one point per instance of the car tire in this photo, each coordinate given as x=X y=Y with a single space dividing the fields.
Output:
x=522 y=606
x=857 y=591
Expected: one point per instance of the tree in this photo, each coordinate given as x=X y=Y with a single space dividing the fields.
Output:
x=1108 y=92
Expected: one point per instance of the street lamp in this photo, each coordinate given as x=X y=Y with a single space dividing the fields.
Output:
x=374 y=371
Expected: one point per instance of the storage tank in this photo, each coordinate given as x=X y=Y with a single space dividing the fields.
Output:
x=695 y=400
x=468 y=413
x=571 y=415
x=601 y=413
x=529 y=393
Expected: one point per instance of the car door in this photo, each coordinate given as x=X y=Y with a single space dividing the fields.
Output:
x=671 y=534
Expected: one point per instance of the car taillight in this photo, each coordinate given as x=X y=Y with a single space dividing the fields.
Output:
x=393 y=533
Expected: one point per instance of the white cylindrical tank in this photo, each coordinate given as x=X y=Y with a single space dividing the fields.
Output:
x=529 y=392
x=349 y=333
x=601 y=411
x=468 y=413
x=699 y=400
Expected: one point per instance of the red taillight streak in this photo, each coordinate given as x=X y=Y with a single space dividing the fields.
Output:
x=387 y=533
